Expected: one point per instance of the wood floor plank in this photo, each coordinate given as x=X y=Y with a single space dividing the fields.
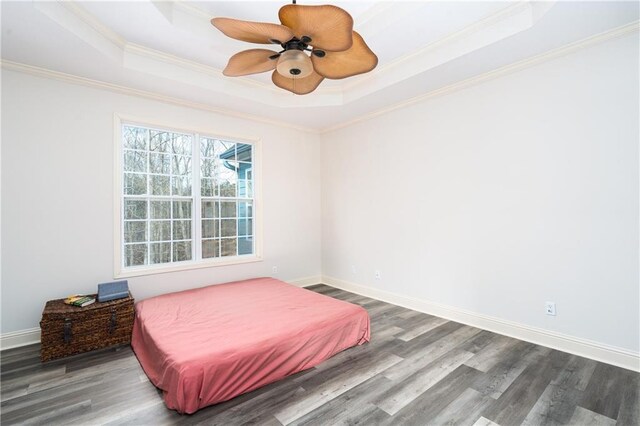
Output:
x=516 y=402
x=407 y=349
x=404 y=392
x=464 y=410
x=492 y=354
x=334 y=387
x=479 y=341
x=557 y=403
x=60 y=414
x=583 y=417
x=428 y=325
x=483 y=421
x=353 y=404
x=603 y=394
x=554 y=407
x=629 y=413
x=435 y=350
x=577 y=373
x=511 y=364
x=428 y=405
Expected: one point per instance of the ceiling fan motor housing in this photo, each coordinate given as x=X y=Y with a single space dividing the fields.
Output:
x=294 y=63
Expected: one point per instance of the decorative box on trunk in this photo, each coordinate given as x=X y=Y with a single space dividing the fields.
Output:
x=68 y=330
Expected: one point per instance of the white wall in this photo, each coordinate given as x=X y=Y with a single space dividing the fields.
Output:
x=499 y=197
x=57 y=195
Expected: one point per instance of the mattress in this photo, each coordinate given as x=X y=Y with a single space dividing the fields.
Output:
x=210 y=344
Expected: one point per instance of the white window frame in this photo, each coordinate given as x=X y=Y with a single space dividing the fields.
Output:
x=118 y=205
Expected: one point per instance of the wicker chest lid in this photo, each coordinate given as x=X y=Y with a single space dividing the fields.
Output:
x=58 y=307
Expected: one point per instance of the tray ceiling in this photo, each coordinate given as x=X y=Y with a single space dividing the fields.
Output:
x=170 y=48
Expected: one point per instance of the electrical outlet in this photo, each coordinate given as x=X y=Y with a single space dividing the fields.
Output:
x=274 y=269
x=377 y=275
x=550 y=308
x=354 y=270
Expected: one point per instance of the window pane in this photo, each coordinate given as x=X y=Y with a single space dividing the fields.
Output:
x=210 y=228
x=135 y=161
x=228 y=189
x=182 y=209
x=245 y=188
x=208 y=188
x=225 y=150
x=245 y=227
x=135 y=184
x=160 y=253
x=160 y=230
x=160 y=185
x=135 y=137
x=181 y=229
x=160 y=163
x=228 y=209
x=210 y=248
x=207 y=147
x=181 y=144
x=244 y=152
x=245 y=209
x=161 y=210
x=228 y=247
x=135 y=231
x=228 y=181
x=181 y=251
x=245 y=245
x=228 y=227
x=135 y=209
x=210 y=209
x=208 y=167
x=181 y=186
x=181 y=165
x=135 y=254
x=159 y=141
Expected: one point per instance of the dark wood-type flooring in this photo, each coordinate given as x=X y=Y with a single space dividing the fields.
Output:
x=417 y=370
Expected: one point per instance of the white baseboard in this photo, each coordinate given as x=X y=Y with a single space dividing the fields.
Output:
x=29 y=336
x=19 y=338
x=598 y=351
x=306 y=282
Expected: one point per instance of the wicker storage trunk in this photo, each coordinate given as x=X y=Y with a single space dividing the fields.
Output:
x=68 y=330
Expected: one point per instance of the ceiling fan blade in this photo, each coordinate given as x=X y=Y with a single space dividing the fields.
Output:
x=252 y=61
x=359 y=59
x=299 y=86
x=253 y=32
x=329 y=27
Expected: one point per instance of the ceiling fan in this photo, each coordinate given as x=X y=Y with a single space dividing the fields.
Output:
x=336 y=51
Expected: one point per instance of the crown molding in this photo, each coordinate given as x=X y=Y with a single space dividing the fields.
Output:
x=168 y=58
x=498 y=72
x=83 y=81
x=507 y=69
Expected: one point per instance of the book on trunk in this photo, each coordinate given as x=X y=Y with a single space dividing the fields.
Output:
x=79 y=300
x=113 y=290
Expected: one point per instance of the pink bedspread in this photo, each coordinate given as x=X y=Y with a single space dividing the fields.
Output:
x=210 y=344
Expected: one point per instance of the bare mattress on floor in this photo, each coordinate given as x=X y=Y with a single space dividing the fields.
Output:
x=210 y=344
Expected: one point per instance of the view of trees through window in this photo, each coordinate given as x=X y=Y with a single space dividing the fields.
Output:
x=161 y=185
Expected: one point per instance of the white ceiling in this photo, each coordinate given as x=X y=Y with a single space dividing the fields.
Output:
x=170 y=48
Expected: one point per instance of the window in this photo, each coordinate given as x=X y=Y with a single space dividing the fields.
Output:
x=186 y=200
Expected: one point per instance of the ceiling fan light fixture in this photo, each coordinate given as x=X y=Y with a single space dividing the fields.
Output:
x=294 y=63
x=318 y=42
